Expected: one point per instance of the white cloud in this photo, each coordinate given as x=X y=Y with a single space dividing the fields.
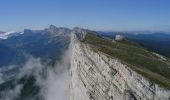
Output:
x=1 y=78
x=54 y=86
x=11 y=94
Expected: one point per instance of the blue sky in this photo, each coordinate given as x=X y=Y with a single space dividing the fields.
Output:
x=119 y=15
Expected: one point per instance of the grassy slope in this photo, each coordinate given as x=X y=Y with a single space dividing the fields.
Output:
x=139 y=59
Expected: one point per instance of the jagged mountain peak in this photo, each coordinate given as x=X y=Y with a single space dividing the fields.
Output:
x=58 y=30
x=52 y=27
x=55 y=27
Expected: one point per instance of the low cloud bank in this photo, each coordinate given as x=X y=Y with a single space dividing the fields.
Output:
x=52 y=80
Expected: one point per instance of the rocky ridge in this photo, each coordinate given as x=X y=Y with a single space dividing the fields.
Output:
x=97 y=76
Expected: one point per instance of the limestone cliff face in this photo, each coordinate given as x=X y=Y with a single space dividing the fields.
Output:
x=96 y=76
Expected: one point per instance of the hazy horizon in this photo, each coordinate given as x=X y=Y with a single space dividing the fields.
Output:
x=99 y=30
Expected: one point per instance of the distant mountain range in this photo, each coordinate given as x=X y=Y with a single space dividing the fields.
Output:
x=53 y=30
x=15 y=46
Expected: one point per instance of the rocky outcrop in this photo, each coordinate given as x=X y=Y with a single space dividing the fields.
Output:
x=96 y=76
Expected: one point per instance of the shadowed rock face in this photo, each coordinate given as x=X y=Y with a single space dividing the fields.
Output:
x=96 y=76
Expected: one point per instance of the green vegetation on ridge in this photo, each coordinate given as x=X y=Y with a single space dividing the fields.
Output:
x=137 y=57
